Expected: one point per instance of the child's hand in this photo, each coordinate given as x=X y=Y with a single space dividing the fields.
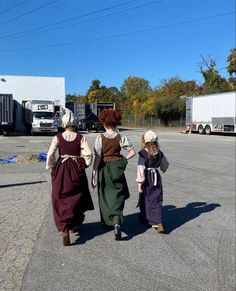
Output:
x=140 y=190
x=94 y=180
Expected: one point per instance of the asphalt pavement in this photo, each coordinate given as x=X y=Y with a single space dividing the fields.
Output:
x=197 y=251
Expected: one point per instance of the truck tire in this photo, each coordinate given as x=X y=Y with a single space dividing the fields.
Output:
x=6 y=133
x=201 y=129
x=208 y=130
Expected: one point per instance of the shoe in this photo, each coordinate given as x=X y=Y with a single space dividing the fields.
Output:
x=74 y=229
x=65 y=237
x=117 y=232
x=160 y=228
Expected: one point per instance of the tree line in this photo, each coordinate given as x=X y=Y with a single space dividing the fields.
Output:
x=165 y=102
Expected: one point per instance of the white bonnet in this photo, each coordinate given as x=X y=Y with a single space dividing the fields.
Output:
x=68 y=118
x=150 y=136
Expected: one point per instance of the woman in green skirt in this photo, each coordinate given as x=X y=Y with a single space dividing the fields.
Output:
x=108 y=170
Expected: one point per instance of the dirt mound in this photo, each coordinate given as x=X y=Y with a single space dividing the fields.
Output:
x=27 y=158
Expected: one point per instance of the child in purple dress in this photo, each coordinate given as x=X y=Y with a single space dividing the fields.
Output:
x=150 y=182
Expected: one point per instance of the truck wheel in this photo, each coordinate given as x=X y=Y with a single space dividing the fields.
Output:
x=201 y=129
x=6 y=133
x=208 y=130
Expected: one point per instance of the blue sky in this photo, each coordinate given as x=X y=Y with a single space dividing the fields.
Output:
x=84 y=40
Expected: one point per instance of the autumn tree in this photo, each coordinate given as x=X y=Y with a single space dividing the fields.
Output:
x=92 y=94
x=135 y=92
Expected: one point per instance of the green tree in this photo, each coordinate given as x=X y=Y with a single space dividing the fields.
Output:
x=213 y=82
x=75 y=98
x=231 y=68
x=170 y=98
x=231 y=59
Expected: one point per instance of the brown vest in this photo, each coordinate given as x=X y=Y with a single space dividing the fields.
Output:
x=111 y=148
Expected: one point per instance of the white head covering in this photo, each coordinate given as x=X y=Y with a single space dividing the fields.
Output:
x=68 y=118
x=150 y=136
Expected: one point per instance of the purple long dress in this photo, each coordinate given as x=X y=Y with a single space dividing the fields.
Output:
x=70 y=192
x=150 y=201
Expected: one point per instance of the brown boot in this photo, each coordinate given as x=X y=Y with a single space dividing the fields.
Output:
x=74 y=229
x=160 y=228
x=65 y=237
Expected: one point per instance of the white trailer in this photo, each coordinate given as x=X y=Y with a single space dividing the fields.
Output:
x=39 y=116
x=211 y=113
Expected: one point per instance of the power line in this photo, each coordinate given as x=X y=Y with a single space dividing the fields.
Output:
x=14 y=6
x=122 y=34
x=76 y=17
x=19 y=34
x=29 y=12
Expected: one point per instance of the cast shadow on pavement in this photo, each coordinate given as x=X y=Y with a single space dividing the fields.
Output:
x=175 y=217
x=21 y=184
x=88 y=231
x=130 y=228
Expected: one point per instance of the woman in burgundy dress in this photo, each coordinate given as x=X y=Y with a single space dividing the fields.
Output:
x=70 y=191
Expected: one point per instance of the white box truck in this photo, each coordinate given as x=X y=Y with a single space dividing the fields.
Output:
x=39 y=116
x=211 y=113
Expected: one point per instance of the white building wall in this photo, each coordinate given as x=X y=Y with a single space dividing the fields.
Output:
x=32 y=88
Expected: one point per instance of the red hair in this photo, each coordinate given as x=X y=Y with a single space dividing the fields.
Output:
x=109 y=117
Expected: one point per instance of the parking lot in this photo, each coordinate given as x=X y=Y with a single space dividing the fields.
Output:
x=197 y=251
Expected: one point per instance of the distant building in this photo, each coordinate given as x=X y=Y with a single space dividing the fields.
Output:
x=26 y=88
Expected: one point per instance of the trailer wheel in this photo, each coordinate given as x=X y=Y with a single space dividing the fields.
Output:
x=208 y=130
x=201 y=129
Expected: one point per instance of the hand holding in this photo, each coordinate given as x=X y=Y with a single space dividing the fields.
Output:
x=140 y=189
x=94 y=180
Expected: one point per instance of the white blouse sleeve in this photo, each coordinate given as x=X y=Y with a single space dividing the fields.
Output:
x=98 y=145
x=86 y=152
x=140 y=174
x=51 y=155
x=125 y=143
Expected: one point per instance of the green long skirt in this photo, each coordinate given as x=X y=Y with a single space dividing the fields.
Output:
x=112 y=191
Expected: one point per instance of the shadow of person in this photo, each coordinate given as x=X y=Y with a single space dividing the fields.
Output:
x=175 y=217
x=88 y=231
x=132 y=226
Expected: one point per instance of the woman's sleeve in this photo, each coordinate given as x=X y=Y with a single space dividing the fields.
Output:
x=98 y=145
x=141 y=170
x=86 y=152
x=125 y=143
x=164 y=164
x=51 y=155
